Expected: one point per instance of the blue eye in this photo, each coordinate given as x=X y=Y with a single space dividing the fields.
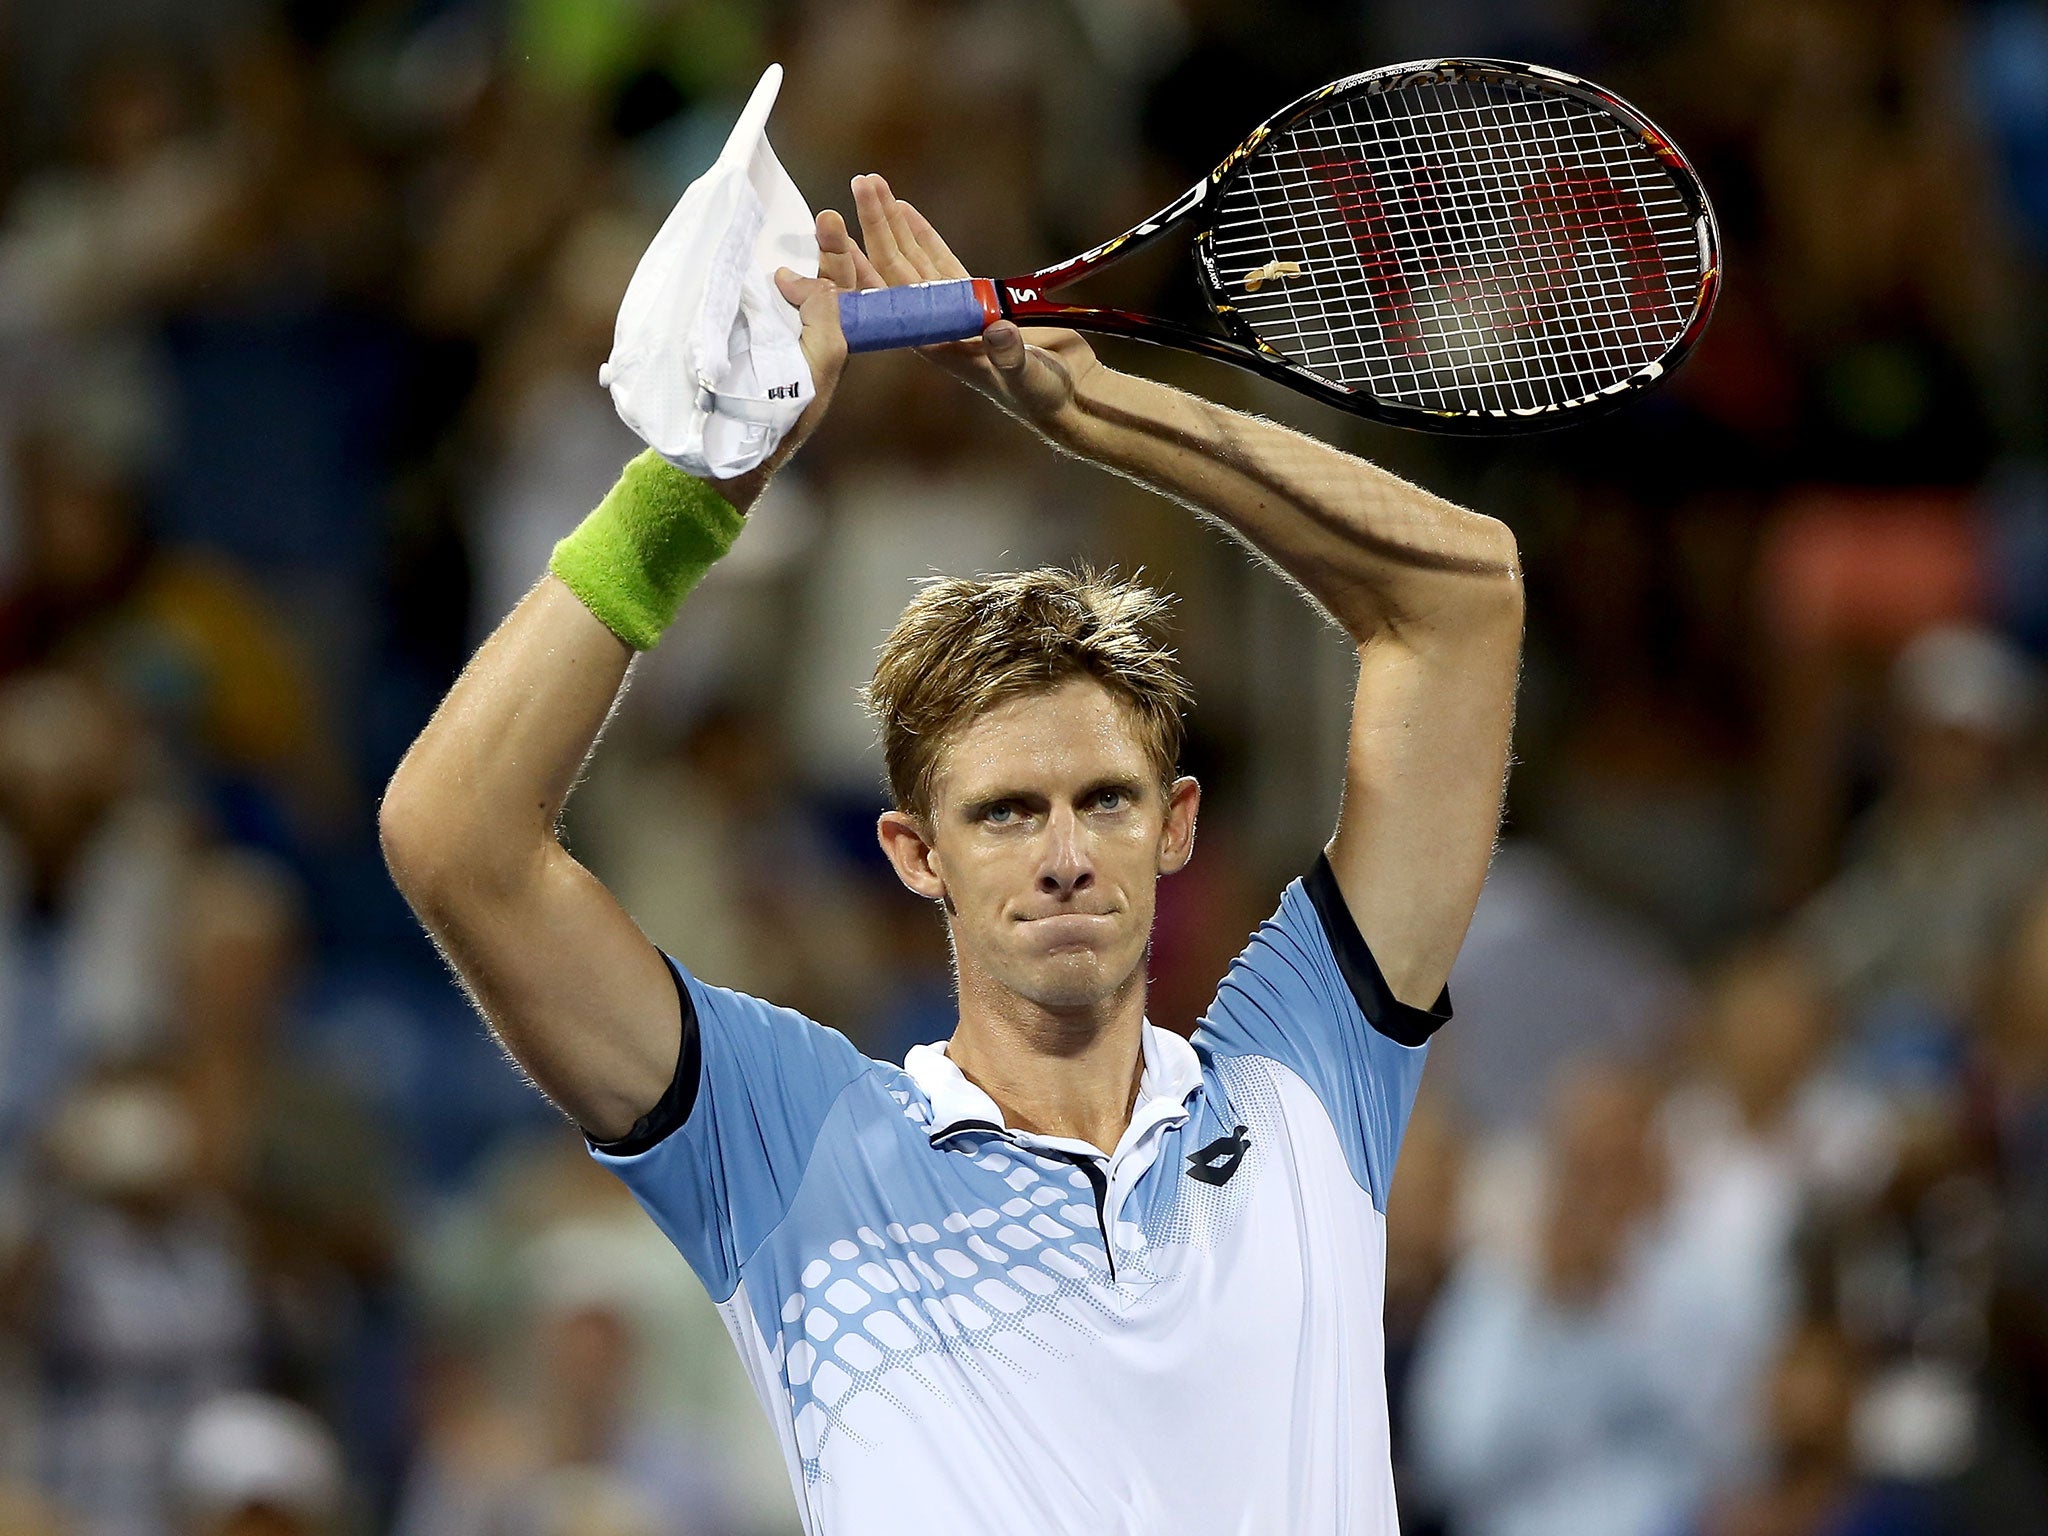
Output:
x=1111 y=800
x=998 y=813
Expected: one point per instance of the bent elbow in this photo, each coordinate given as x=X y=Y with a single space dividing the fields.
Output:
x=1495 y=594
x=1481 y=602
x=1501 y=557
x=450 y=859
x=406 y=834
x=425 y=839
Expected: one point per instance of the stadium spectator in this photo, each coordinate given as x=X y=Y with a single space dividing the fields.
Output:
x=1813 y=1487
x=1767 y=1126
x=1584 y=1388
x=89 y=857
x=250 y=1465
x=532 y=1283
x=136 y=1297
x=184 y=638
x=1550 y=975
x=1944 y=858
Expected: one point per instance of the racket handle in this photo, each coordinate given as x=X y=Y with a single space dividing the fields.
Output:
x=918 y=314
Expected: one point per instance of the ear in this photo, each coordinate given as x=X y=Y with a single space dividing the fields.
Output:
x=909 y=853
x=1177 y=835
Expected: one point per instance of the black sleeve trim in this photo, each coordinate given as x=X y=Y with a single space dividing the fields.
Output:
x=1386 y=1013
x=679 y=1098
x=960 y=1127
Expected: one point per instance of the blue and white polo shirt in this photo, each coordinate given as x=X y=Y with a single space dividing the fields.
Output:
x=954 y=1325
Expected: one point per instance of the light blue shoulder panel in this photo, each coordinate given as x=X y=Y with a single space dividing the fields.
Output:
x=720 y=1182
x=1315 y=1002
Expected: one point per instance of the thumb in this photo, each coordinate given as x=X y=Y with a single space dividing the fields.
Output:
x=817 y=301
x=807 y=293
x=1005 y=345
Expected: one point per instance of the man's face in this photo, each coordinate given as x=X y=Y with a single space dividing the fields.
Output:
x=1049 y=829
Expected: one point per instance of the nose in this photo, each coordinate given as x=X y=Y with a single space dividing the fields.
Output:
x=1066 y=869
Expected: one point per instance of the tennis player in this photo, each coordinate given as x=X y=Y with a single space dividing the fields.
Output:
x=1066 y=1271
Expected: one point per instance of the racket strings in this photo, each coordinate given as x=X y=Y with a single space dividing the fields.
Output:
x=1437 y=321
x=1539 y=273
x=1459 y=246
x=1383 y=268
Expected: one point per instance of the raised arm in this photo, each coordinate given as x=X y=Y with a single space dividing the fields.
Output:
x=1430 y=593
x=570 y=985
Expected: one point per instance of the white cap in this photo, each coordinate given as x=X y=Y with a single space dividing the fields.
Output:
x=244 y=1448
x=707 y=364
x=113 y=1139
x=1966 y=678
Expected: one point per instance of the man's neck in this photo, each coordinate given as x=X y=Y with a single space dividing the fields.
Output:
x=1054 y=1074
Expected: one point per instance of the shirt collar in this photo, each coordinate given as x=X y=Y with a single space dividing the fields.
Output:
x=1171 y=1073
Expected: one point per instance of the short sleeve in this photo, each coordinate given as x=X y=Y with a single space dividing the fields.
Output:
x=718 y=1162
x=1306 y=993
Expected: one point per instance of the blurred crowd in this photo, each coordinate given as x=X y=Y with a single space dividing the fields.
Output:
x=1725 y=1209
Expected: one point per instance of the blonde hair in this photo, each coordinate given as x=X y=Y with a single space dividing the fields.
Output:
x=967 y=644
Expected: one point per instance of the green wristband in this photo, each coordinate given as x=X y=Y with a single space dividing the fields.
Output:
x=634 y=559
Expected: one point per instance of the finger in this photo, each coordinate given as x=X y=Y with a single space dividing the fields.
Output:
x=904 y=228
x=814 y=297
x=824 y=344
x=944 y=262
x=1004 y=344
x=864 y=270
x=878 y=232
x=836 y=251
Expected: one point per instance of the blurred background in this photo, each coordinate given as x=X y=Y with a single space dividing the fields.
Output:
x=301 y=309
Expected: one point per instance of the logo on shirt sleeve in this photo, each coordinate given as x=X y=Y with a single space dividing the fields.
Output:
x=1215 y=1163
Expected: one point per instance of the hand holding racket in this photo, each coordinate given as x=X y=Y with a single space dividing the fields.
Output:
x=1032 y=373
x=1465 y=245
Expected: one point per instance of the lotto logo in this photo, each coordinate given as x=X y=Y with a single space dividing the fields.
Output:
x=1216 y=1162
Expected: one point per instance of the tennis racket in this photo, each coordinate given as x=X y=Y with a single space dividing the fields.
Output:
x=1463 y=245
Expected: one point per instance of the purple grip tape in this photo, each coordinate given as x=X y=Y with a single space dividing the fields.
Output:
x=918 y=315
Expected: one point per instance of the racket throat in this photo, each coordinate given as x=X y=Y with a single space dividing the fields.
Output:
x=1028 y=298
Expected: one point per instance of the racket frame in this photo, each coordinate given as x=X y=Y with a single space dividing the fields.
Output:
x=1028 y=300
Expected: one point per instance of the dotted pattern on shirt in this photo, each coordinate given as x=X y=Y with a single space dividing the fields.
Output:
x=874 y=1305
